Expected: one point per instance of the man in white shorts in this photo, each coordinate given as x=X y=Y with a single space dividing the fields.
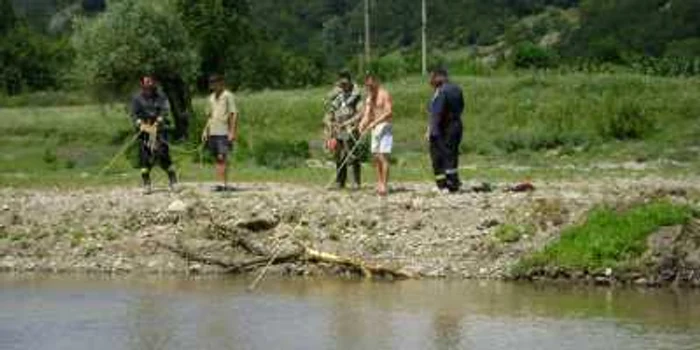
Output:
x=377 y=117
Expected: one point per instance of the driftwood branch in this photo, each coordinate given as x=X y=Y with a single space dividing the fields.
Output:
x=300 y=254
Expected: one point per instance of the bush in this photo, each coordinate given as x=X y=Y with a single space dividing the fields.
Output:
x=630 y=122
x=528 y=55
x=390 y=67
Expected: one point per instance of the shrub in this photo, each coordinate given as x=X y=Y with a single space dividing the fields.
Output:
x=529 y=55
x=630 y=122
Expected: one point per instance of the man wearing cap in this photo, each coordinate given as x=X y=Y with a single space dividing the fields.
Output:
x=342 y=135
x=222 y=127
x=377 y=117
x=445 y=130
x=149 y=112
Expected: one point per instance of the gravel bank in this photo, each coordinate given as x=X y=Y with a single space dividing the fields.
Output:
x=414 y=229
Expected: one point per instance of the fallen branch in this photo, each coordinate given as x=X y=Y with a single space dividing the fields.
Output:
x=302 y=254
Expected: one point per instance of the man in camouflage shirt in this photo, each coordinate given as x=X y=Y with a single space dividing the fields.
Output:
x=341 y=122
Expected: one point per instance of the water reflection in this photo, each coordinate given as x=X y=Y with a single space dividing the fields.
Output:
x=72 y=313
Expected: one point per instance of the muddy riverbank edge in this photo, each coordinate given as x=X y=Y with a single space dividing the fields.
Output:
x=414 y=231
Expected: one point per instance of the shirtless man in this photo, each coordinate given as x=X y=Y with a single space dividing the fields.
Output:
x=377 y=117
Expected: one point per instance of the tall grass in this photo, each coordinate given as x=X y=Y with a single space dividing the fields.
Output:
x=524 y=112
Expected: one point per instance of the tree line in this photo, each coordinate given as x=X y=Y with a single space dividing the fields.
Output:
x=297 y=43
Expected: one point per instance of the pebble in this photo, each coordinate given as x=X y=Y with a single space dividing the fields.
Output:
x=177 y=206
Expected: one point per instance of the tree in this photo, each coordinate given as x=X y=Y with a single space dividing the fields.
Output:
x=131 y=39
x=221 y=31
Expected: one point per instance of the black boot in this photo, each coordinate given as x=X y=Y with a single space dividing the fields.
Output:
x=453 y=184
x=146 y=181
x=172 y=179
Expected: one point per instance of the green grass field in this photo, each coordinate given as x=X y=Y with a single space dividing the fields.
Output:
x=536 y=120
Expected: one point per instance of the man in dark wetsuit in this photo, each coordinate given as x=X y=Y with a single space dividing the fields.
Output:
x=344 y=110
x=445 y=130
x=149 y=112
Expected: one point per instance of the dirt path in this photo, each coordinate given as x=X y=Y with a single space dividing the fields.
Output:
x=414 y=229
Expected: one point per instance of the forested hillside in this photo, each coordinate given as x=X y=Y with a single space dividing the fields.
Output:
x=297 y=43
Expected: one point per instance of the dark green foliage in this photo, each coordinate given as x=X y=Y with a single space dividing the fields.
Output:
x=29 y=60
x=612 y=30
x=630 y=122
x=529 y=55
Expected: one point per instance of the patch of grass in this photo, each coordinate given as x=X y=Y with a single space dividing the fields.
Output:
x=608 y=237
x=509 y=233
x=76 y=238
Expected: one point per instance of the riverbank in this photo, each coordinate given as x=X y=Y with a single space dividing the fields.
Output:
x=482 y=233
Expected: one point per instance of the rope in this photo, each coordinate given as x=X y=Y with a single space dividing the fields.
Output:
x=119 y=154
x=348 y=156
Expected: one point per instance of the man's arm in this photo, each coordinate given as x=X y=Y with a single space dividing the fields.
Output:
x=232 y=118
x=438 y=109
x=163 y=118
x=136 y=111
x=364 y=120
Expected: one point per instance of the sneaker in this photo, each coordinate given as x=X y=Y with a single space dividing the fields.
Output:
x=355 y=187
x=147 y=189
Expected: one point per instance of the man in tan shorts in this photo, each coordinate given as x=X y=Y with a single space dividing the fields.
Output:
x=222 y=128
x=377 y=117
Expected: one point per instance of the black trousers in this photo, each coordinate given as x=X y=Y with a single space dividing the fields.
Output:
x=444 y=152
x=352 y=161
x=160 y=155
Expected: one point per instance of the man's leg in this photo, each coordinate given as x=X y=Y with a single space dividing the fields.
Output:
x=356 y=173
x=377 y=169
x=437 y=156
x=166 y=163
x=383 y=173
x=355 y=163
x=341 y=163
x=219 y=147
x=452 y=160
x=146 y=164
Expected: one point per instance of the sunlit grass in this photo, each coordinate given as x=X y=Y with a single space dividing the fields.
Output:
x=608 y=237
x=517 y=119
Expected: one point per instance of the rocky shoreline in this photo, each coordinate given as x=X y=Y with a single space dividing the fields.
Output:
x=414 y=230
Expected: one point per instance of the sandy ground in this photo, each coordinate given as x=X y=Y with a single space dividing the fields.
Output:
x=415 y=229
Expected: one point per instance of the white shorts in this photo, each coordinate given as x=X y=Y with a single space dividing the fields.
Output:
x=382 y=139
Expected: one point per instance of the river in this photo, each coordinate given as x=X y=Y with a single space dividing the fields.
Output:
x=61 y=312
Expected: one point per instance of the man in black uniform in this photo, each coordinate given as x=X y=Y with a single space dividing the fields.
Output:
x=149 y=112
x=445 y=130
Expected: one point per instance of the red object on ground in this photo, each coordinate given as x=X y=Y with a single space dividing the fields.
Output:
x=522 y=187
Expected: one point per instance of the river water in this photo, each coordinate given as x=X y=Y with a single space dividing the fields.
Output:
x=218 y=313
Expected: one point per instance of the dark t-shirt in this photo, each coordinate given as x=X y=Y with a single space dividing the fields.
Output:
x=148 y=108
